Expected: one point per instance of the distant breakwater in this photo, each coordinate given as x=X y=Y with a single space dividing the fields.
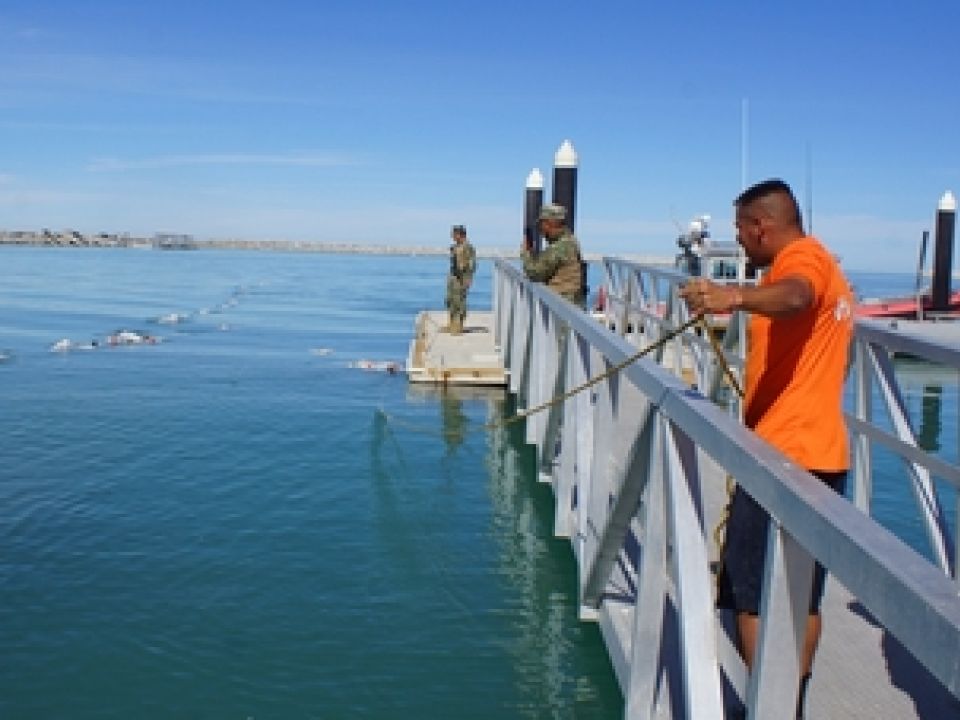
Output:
x=186 y=243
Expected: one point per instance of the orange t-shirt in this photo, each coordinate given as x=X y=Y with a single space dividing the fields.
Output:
x=796 y=364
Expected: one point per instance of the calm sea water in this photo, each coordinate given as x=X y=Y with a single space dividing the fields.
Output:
x=224 y=525
x=237 y=523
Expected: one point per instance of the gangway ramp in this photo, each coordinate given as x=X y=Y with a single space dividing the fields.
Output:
x=638 y=465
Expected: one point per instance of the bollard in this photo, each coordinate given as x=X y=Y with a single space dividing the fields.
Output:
x=531 y=210
x=943 y=252
x=565 y=180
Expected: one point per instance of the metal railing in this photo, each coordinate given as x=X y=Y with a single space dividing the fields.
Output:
x=642 y=302
x=873 y=374
x=630 y=462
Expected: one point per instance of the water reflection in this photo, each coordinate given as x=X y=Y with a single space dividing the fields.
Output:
x=558 y=659
x=454 y=421
x=930 y=397
x=558 y=665
x=929 y=435
x=923 y=384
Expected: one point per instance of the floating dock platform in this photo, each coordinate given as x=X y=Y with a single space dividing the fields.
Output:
x=471 y=358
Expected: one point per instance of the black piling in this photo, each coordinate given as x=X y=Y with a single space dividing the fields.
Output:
x=943 y=252
x=924 y=241
x=531 y=210
x=565 y=180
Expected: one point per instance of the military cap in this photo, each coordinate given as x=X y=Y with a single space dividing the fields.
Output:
x=553 y=211
x=459 y=229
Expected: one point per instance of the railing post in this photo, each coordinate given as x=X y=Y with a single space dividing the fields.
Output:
x=625 y=498
x=925 y=492
x=627 y=300
x=692 y=580
x=555 y=382
x=648 y=610
x=595 y=498
x=785 y=607
x=573 y=423
x=862 y=470
x=586 y=423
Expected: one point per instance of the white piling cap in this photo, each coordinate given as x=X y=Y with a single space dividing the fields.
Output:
x=566 y=156
x=948 y=203
x=535 y=180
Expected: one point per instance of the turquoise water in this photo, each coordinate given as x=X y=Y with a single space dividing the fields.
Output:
x=225 y=525
x=237 y=523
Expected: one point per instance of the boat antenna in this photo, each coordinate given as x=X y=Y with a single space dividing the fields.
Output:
x=744 y=150
x=809 y=198
x=673 y=219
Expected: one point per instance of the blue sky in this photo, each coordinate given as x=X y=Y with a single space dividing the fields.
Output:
x=386 y=122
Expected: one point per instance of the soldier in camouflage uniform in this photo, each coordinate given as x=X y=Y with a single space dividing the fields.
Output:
x=463 y=264
x=560 y=265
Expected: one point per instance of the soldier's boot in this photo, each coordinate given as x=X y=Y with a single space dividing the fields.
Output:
x=456 y=326
x=446 y=328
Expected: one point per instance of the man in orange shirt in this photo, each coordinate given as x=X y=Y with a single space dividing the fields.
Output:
x=798 y=340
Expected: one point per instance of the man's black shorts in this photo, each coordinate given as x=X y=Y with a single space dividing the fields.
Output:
x=745 y=550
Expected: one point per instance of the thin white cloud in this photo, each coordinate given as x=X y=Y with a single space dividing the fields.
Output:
x=30 y=33
x=29 y=76
x=45 y=200
x=173 y=161
x=11 y=28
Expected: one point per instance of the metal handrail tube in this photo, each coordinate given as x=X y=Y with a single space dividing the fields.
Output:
x=885 y=334
x=914 y=601
x=943 y=469
x=872 y=349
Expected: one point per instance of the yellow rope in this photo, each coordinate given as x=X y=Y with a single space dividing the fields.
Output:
x=698 y=319
x=719 y=537
x=721 y=358
x=522 y=415
x=503 y=422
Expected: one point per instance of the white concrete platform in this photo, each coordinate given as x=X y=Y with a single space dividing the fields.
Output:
x=471 y=358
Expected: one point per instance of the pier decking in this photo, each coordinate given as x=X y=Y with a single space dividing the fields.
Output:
x=639 y=466
x=471 y=358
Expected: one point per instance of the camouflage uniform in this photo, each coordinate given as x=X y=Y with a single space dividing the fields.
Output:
x=463 y=264
x=559 y=266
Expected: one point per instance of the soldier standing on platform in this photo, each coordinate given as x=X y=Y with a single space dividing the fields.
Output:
x=560 y=265
x=463 y=264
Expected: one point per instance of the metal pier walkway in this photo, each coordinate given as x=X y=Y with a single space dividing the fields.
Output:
x=638 y=466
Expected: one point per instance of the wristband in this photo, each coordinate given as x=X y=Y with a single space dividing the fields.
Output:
x=737 y=301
